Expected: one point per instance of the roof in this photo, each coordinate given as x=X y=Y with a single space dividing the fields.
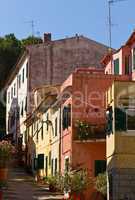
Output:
x=99 y=49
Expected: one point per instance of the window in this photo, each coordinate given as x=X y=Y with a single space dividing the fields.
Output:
x=56 y=127
x=19 y=80
x=8 y=97
x=22 y=109
x=130 y=119
x=27 y=70
x=14 y=89
x=26 y=104
x=47 y=125
x=116 y=66
x=52 y=168
x=100 y=166
x=127 y=65
x=42 y=132
x=66 y=164
x=40 y=161
x=120 y=119
x=23 y=75
x=46 y=167
x=49 y=158
x=12 y=93
x=66 y=117
x=56 y=166
x=134 y=58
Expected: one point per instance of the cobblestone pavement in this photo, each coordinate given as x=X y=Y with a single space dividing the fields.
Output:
x=21 y=186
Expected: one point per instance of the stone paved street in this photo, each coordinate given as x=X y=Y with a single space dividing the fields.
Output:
x=21 y=186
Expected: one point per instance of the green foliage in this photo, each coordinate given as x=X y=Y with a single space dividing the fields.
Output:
x=10 y=49
x=31 y=40
x=101 y=184
x=84 y=130
x=74 y=181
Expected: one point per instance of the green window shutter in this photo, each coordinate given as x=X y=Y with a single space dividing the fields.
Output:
x=56 y=166
x=120 y=120
x=100 y=166
x=41 y=161
x=116 y=66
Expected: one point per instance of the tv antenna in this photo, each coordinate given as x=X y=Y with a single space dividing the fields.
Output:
x=110 y=3
x=32 y=24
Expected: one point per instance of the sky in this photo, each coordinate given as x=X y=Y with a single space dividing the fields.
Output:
x=65 y=18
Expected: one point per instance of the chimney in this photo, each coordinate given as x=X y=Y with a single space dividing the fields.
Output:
x=47 y=37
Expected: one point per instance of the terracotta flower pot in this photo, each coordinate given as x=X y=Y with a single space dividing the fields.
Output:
x=75 y=196
x=3 y=174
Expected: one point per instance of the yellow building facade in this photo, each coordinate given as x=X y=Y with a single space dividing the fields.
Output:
x=43 y=137
x=121 y=140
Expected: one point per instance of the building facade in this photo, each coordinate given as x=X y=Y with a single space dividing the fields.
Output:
x=45 y=64
x=120 y=140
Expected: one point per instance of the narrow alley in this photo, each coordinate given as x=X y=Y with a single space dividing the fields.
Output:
x=21 y=186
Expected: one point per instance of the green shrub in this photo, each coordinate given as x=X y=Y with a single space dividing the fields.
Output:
x=101 y=184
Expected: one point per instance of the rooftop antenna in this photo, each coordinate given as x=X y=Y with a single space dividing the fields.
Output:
x=32 y=24
x=110 y=3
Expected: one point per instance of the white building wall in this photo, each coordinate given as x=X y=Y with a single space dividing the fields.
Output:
x=20 y=96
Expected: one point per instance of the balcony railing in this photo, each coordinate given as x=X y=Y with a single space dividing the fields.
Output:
x=86 y=131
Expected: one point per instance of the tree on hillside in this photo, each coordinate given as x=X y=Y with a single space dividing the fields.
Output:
x=31 y=40
x=10 y=49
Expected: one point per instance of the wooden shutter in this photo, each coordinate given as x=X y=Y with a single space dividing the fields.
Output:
x=41 y=161
x=116 y=66
x=100 y=166
x=120 y=120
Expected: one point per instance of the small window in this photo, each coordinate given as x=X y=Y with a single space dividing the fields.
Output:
x=52 y=167
x=127 y=65
x=8 y=97
x=42 y=132
x=130 y=119
x=116 y=66
x=12 y=93
x=47 y=125
x=19 y=80
x=26 y=104
x=100 y=166
x=56 y=165
x=41 y=161
x=49 y=158
x=27 y=70
x=66 y=117
x=56 y=127
x=14 y=89
x=23 y=75
x=66 y=164
x=22 y=109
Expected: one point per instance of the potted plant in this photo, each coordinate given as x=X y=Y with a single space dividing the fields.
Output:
x=80 y=181
x=6 y=149
x=74 y=183
x=52 y=181
x=101 y=184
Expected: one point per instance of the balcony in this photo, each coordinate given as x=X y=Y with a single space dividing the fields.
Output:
x=90 y=132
